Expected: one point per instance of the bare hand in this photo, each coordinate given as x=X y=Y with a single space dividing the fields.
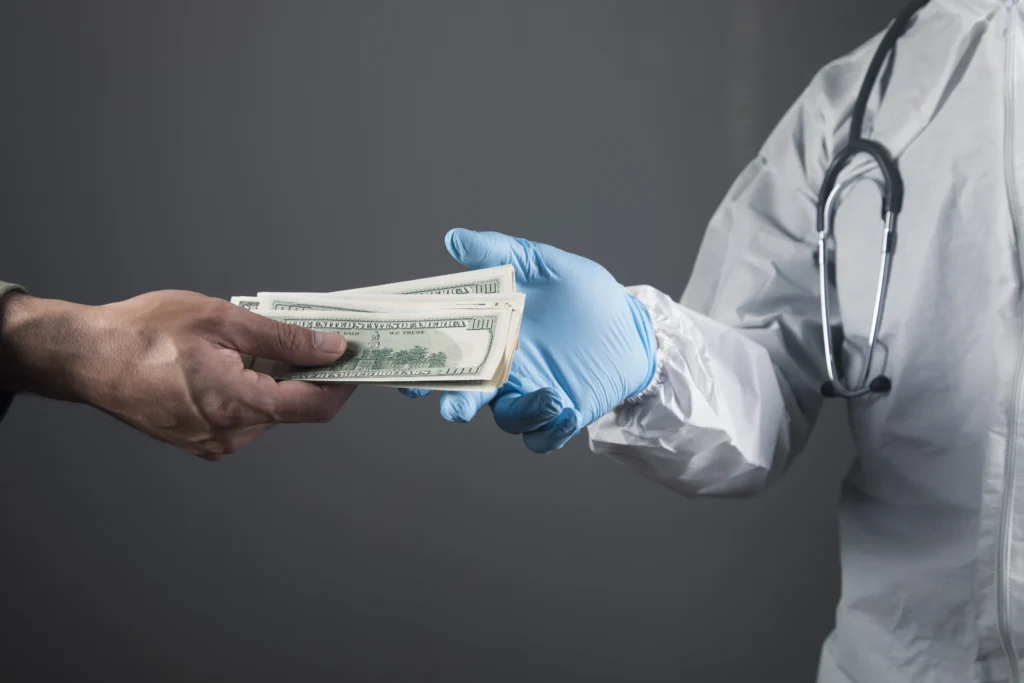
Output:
x=169 y=364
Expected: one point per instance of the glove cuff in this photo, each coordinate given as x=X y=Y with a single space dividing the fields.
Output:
x=651 y=340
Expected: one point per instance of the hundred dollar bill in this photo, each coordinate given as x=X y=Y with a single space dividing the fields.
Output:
x=498 y=280
x=308 y=301
x=459 y=296
x=464 y=349
x=387 y=303
x=248 y=302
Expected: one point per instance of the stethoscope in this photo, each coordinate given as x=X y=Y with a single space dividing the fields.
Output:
x=892 y=203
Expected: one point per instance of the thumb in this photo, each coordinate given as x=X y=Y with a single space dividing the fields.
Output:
x=490 y=249
x=257 y=335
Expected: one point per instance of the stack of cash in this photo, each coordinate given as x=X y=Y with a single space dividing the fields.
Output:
x=448 y=332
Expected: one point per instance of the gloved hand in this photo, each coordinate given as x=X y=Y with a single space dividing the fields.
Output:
x=585 y=344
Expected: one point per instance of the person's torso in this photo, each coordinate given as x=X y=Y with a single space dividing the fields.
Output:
x=932 y=517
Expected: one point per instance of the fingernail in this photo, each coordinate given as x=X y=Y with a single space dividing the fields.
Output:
x=328 y=342
x=414 y=393
x=455 y=409
x=454 y=244
x=570 y=420
x=548 y=403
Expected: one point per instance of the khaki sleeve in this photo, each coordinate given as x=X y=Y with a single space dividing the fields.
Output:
x=6 y=397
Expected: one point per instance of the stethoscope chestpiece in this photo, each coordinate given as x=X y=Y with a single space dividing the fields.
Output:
x=881 y=385
x=892 y=204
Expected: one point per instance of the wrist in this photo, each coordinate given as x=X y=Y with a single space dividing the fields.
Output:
x=43 y=346
x=648 y=343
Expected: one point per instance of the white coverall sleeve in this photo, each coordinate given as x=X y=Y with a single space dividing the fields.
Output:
x=740 y=357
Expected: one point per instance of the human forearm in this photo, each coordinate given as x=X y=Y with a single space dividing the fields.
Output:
x=715 y=419
x=167 y=363
x=44 y=346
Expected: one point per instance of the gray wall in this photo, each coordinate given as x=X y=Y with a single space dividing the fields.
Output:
x=235 y=147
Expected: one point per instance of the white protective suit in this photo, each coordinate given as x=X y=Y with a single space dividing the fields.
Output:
x=932 y=512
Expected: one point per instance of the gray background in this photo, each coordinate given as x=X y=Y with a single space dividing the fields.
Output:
x=235 y=147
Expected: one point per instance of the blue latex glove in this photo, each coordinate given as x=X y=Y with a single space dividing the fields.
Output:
x=585 y=344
